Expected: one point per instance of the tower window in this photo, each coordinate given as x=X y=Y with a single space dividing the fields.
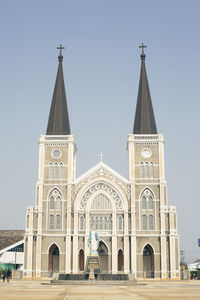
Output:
x=150 y=202
x=144 y=202
x=150 y=222
x=50 y=171
x=55 y=171
x=141 y=169
x=151 y=170
x=58 y=222
x=51 y=221
x=144 y=222
x=61 y=170
x=146 y=170
x=58 y=203
x=51 y=202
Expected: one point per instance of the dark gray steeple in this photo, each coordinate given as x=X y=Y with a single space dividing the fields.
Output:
x=58 y=123
x=144 y=117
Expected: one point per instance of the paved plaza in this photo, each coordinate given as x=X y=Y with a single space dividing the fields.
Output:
x=151 y=290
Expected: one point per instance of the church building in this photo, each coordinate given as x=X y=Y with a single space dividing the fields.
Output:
x=137 y=230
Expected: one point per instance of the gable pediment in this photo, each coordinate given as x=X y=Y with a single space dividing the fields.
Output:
x=98 y=173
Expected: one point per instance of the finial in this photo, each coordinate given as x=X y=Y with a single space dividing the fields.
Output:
x=142 y=55
x=60 y=57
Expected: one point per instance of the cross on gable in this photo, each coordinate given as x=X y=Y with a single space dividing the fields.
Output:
x=101 y=156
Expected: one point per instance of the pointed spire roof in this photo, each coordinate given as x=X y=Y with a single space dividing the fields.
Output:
x=58 y=123
x=144 y=117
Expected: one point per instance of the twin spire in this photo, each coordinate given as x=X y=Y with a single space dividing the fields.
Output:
x=144 y=116
x=58 y=123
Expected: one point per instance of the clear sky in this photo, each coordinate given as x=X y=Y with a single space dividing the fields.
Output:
x=101 y=69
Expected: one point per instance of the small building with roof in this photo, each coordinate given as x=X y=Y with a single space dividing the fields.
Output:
x=12 y=249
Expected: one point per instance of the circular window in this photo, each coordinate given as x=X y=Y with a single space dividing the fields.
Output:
x=147 y=192
x=146 y=153
x=56 y=153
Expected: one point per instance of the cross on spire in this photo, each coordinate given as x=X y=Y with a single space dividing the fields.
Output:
x=60 y=48
x=142 y=46
x=101 y=156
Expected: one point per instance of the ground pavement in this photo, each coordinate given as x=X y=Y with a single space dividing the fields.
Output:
x=148 y=290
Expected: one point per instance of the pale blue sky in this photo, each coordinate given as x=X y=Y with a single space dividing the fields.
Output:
x=101 y=68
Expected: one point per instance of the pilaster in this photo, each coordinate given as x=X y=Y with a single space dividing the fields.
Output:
x=75 y=254
x=114 y=255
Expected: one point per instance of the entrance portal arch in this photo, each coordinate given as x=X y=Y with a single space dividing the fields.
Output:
x=120 y=260
x=148 y=261
x=54 y=258
x=103 y=257
x=81 y=260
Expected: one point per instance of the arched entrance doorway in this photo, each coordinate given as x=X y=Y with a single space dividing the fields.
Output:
x=120 y=260
x=148 y=261
x=54 y=259
x=103 y=257
x=81 y=260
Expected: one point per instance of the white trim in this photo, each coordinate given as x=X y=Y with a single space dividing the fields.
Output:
x=148 y=243
x=56 y=245
x=98 y=166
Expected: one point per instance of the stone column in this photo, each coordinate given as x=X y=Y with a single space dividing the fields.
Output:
x=68 y=255
x=163 y=258
x=87 y=230
x=126 y=244
x=30 y=256
x=126 y=254
x=133 y=256
x=114 y=254
x=75 y=254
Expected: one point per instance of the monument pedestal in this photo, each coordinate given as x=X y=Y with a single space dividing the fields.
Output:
x=92 y=266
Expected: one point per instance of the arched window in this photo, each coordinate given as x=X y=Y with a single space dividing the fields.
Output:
x=61 y=170
x=109 y=223
x=146 y=170
x=81 y=223
x=144 y=222
x=51 y=221
x=51 y=202
x=55 y=171
x=58 y=203
x=120 y=223
x=144 y=202
x=150 y=202
x=101 y=202
x=58 y=222
x=150 y=222
x=50 y=171
x=96 y=223
x=151 y=170
x=141 y=169
x=105 y=223
x=100 y=223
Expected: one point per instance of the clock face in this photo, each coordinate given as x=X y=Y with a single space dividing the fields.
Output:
x=146 y=153
x=56 y=153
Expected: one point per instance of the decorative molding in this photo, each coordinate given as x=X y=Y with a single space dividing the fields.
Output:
x=101 y=172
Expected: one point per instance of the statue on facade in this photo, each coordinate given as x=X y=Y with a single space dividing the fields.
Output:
x=93 y=242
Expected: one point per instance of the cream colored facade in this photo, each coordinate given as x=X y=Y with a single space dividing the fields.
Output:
x=137 y=229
